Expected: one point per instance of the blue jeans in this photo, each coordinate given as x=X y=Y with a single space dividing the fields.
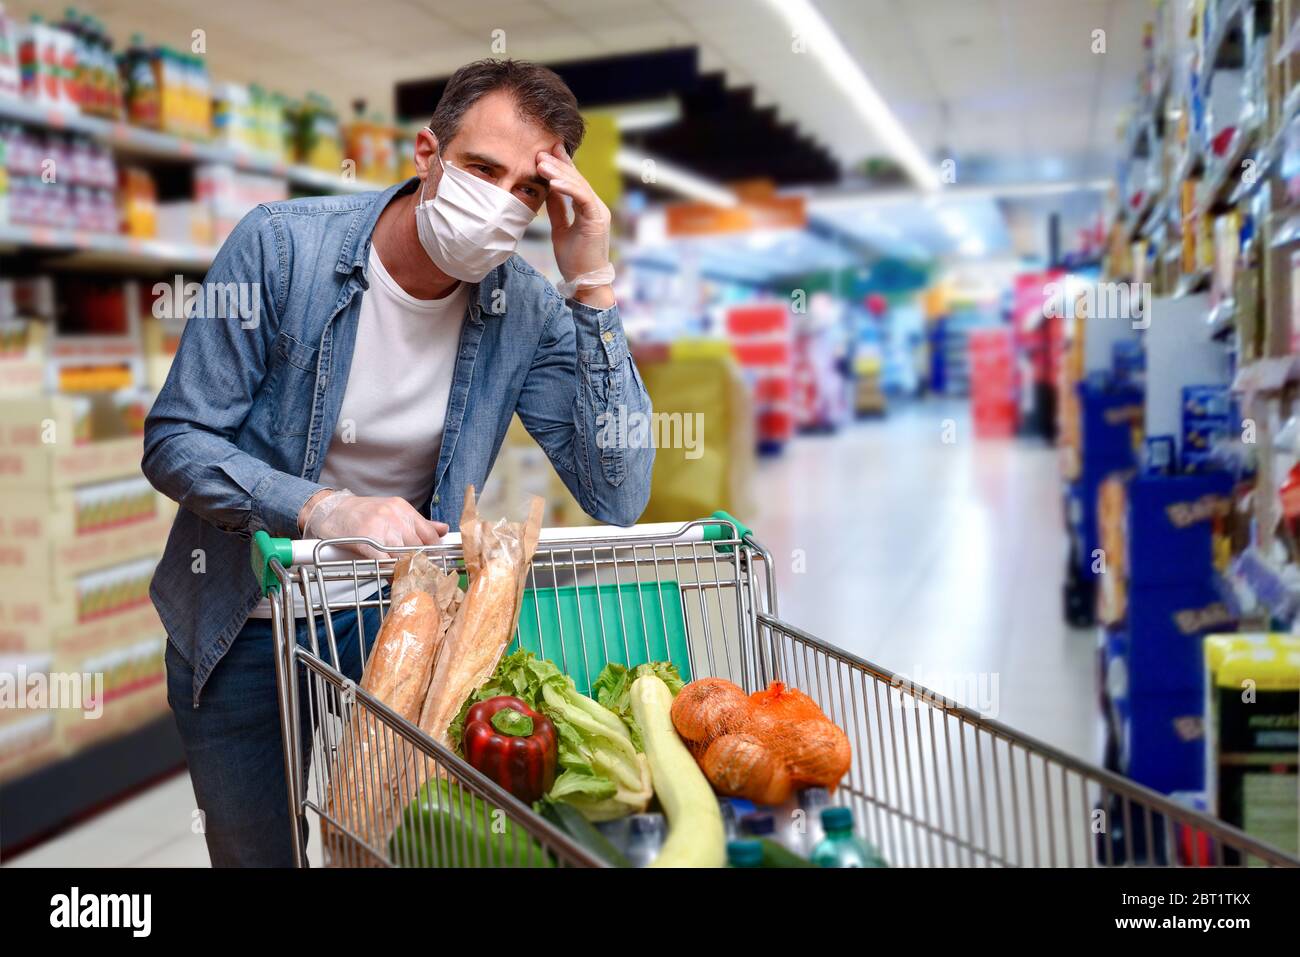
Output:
x=233 y=744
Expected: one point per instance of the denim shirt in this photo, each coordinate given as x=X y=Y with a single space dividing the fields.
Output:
x=240 y=429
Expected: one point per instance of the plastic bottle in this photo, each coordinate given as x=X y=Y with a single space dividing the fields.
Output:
x=10 y=84
x=143 y=103
x=744 y=854
x=74 y=62
x=65 y=64
x=758 y=824
x=38 y=59
x=811 y=801
x=841 y=847
x=646 y=834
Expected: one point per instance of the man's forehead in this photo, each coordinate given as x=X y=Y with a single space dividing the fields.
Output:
x=495 y=117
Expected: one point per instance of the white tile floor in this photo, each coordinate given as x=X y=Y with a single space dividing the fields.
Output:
x=934 y=559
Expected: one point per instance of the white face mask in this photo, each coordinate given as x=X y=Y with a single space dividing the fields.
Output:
x=470 y=226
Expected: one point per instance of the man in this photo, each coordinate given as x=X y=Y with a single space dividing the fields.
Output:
x=395 y=336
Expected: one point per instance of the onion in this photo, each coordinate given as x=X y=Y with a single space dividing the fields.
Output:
x=710 y=707
x=741 y=765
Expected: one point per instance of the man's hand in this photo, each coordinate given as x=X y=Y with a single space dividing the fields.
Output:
x=581 y=246
x=390 y=521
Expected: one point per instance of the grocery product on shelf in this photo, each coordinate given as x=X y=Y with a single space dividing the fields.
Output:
x=141 y=95
x=10 y=85
x=317 y=135
x=371 y=143
x=58 y=181
x=138 y=198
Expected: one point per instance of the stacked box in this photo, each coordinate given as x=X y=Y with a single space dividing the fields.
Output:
x=80 y=533
x=993 y=382
x=1173 y=603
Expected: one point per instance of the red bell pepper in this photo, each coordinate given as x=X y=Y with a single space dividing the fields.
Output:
x=513 y=745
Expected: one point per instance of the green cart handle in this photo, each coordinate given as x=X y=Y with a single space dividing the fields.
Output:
x=713 y=533
x=264 y=548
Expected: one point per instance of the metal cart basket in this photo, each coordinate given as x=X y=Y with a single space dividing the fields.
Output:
x=932 y=783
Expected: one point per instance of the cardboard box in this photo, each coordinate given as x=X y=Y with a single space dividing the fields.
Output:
x=41 y=546
x=97 y=593
x=56 y=441
x=125 y=683
x=29 y=740
x=1163 y=746
x=28 y=735
x=1107 y=418
x=1166 y=625
x=123 y=626
x=1171 y=520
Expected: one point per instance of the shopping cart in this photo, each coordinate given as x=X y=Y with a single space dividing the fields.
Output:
x=932 y=783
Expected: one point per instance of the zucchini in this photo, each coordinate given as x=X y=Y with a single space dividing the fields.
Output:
x=570 y=820
x=696 y=837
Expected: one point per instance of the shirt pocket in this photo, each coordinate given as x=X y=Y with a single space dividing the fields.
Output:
x=295 y=385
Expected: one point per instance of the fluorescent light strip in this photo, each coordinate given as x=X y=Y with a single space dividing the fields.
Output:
x=833 y=201
x=673 y=178
x=806 y=22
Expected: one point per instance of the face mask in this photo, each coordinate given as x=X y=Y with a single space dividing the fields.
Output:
x=470 y=226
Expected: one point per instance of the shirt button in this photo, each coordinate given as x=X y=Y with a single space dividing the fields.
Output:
x=435 y=498
x=608 y=337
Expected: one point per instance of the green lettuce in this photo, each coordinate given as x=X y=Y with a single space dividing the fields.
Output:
x=613 y=688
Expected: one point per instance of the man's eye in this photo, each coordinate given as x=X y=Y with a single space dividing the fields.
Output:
x=528 y=191
x=479 y=167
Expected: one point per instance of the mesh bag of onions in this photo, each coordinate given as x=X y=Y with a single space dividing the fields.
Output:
x=762 y=746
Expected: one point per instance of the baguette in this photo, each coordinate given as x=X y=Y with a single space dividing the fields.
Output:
x=497 y=559
x=364 y=791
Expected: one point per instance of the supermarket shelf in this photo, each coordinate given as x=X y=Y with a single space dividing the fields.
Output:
x=130 y=140
x=39 y=803
x=1230 y=11
x=1268 y=375
x=1192 y=283
x=1269 y=153
x=1216 y=190
x=1221 y=319
x=106 y=249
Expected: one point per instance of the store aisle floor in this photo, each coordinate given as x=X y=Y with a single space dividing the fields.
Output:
x=938 y=560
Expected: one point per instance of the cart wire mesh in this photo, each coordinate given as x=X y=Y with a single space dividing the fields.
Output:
x=932 y=783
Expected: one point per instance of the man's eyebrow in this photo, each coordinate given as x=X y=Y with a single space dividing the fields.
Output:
x=497 y=166
x=484 y=160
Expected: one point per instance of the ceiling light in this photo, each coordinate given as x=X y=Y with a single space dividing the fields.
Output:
x=806 y=22
x=849 y=201
x=639 y=117
x=674 y=179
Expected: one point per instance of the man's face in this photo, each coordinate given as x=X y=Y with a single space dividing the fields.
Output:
x=494 y=143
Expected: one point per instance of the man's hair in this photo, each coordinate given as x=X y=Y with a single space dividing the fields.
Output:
x=540 y=96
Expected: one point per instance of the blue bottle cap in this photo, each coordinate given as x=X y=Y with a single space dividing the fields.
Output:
x=744 y=853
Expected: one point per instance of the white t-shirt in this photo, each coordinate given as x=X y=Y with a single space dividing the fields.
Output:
x=389 y=430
